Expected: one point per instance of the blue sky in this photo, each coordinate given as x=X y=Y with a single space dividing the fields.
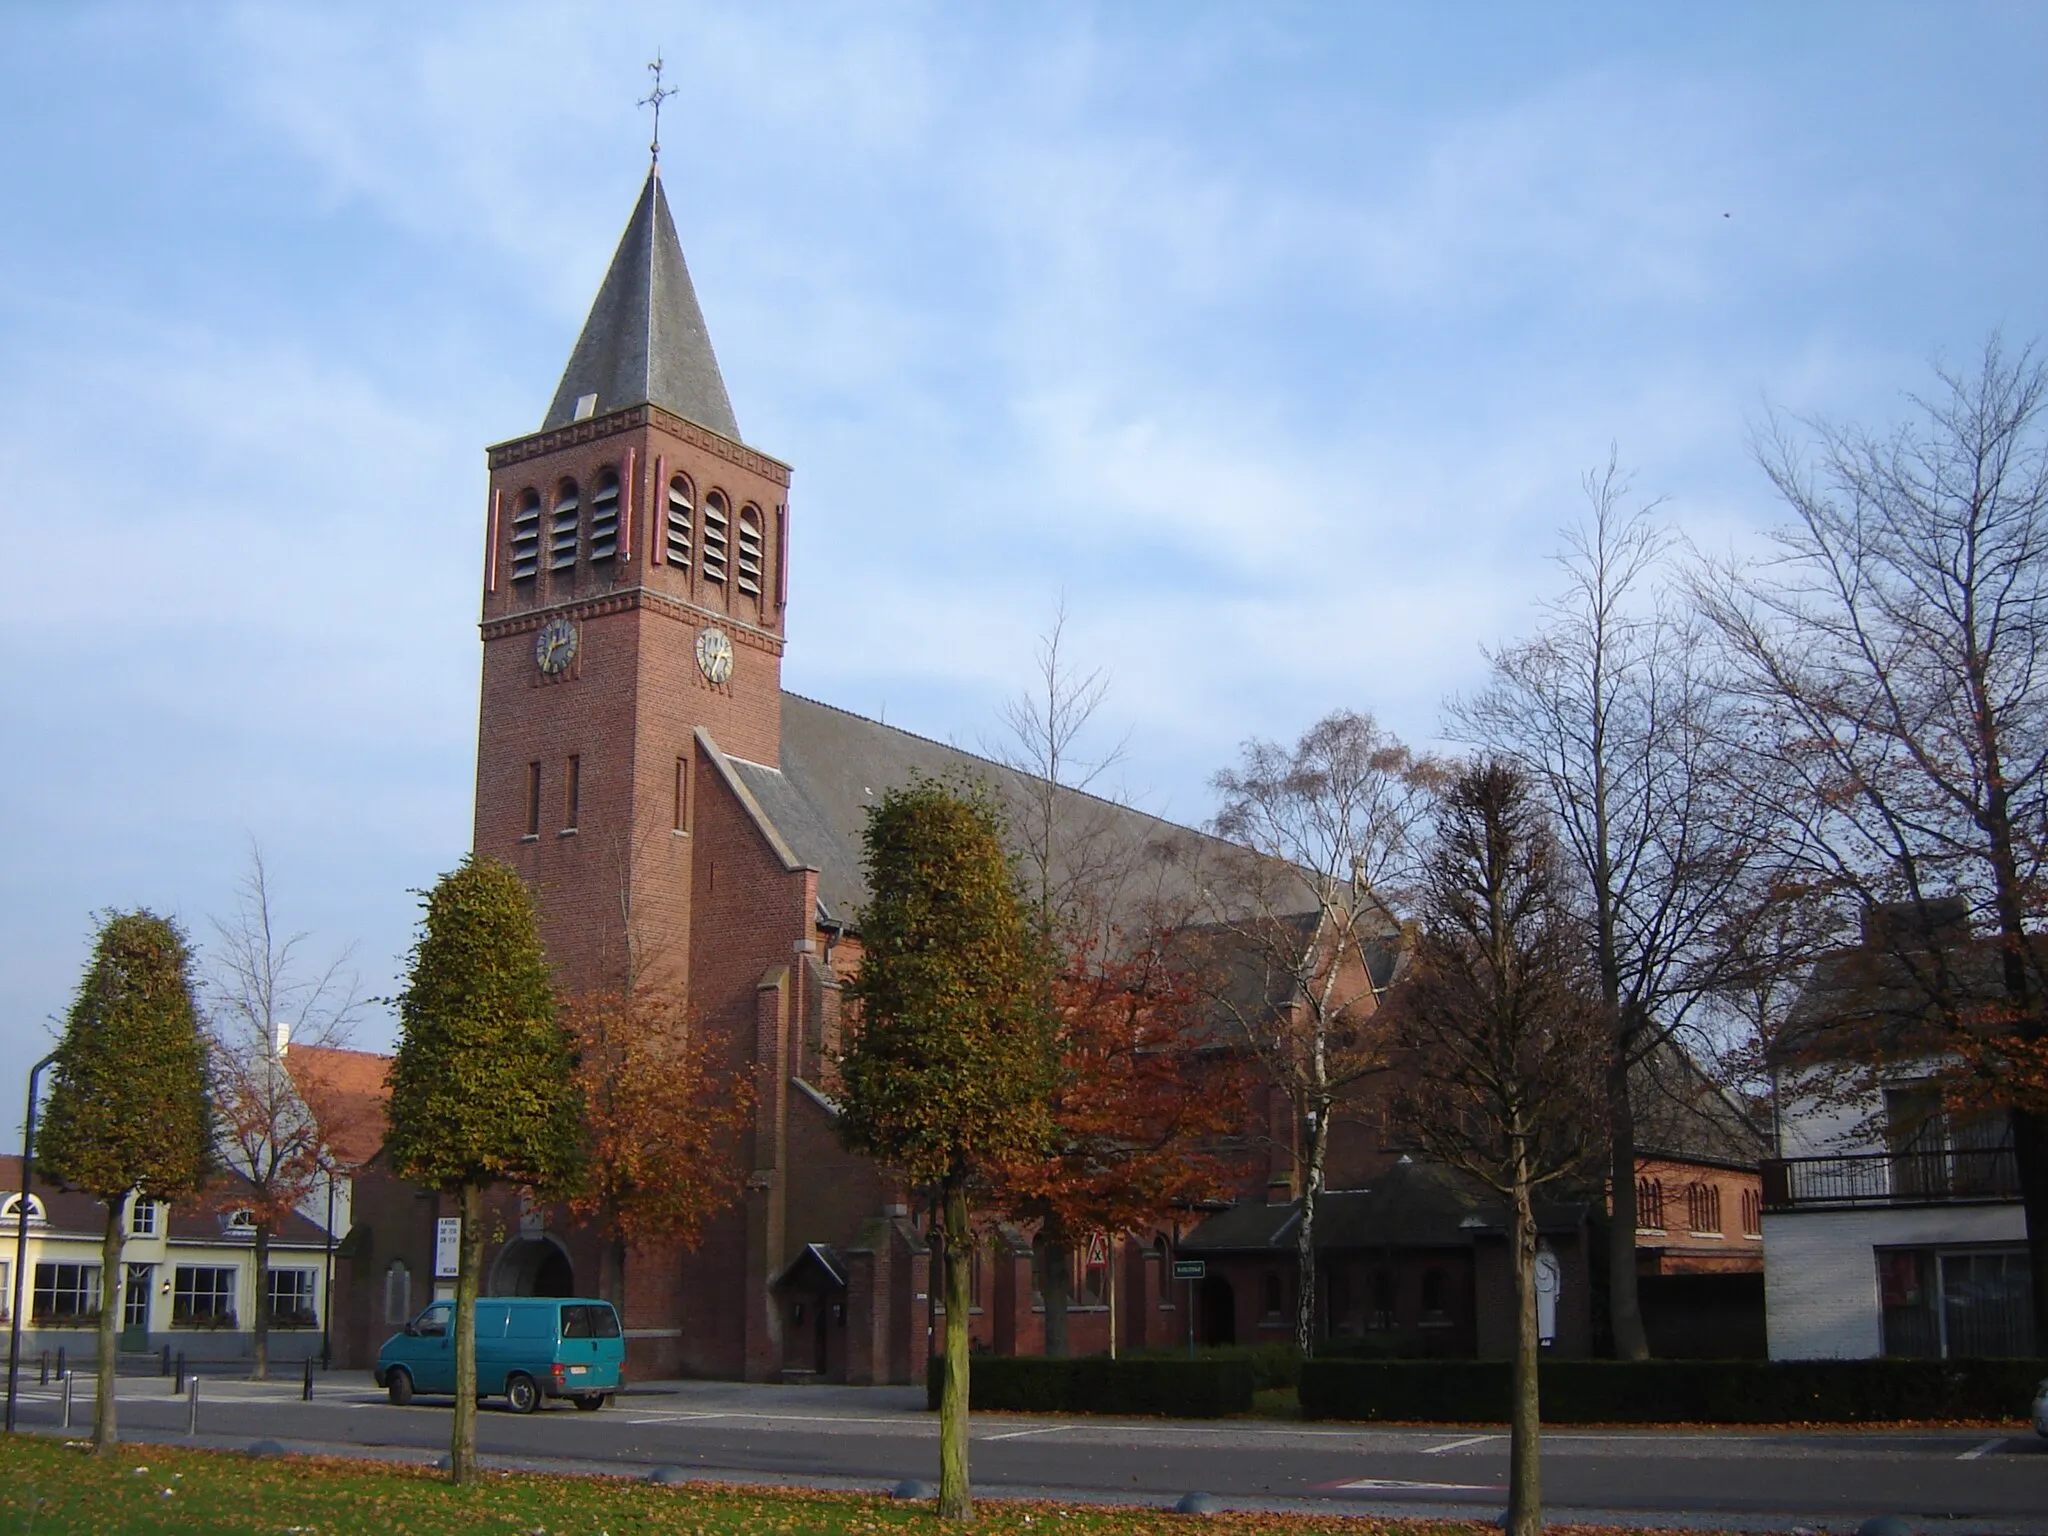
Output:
x=1276 y=337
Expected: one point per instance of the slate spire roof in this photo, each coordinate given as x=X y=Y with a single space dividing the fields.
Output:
x=645 y=340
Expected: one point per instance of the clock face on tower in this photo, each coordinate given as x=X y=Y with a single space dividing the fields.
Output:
x=554 y=646
x=714 y=654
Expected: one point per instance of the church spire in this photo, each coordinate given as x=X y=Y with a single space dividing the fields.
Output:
x=645 y=341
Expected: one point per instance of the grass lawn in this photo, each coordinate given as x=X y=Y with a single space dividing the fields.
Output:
x=49 y=1487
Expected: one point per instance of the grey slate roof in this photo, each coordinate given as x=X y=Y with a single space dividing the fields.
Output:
x=836 y=764
x=1683 y=1115
x=645 y=341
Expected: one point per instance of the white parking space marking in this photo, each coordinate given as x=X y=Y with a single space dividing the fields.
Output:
x=1988 y=1446
x=1457 y=1445
x=1399 y=1485
x=1020 y=1434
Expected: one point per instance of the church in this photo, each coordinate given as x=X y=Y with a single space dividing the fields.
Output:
x=683 y=818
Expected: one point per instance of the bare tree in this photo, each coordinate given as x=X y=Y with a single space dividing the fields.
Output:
x=274 y=1132
x=1500 y=1018
x=1613 y=713
x=1889 y=654
x=1302 y=925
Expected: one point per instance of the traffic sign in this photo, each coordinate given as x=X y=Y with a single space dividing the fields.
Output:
x=1189 y=1269
x=1098 y=1251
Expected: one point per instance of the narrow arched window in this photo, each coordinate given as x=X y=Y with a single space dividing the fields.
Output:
x=1436 y=1295
x=1164 y=1255
x=604 y=517
x=1752 y=1213
x=717 y=521
x=1703 y=1208
x=681 y=523
x=750 y=551
x=397 y=1293
x=1273 y=1296
x=564 y=527
x=526 y=536
x=1650 y=1204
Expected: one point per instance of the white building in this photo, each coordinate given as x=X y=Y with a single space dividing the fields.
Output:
x=1891 y=1226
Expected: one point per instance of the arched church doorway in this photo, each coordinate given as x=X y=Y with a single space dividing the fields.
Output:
x=533 y=1266
x=1219 y=1311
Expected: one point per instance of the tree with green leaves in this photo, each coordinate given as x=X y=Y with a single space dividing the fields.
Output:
x=482 y=1088
x=128 y=1115
x=951 y=1055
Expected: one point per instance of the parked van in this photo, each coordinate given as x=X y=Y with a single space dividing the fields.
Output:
x=527 y=1347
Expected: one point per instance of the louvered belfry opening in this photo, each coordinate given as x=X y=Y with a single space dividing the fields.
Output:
x=750 y=552
x=681 y=530
x=604 y=517
x=526 y=537
x=716 y=522
x=565 y=528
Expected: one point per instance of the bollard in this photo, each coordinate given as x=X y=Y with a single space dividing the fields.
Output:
x=63 y=1369
x=165 y=1369
x=44 y=1379
x=67 y=1402
x=178 y=1386
x=306 y=1391
x=192 y=1406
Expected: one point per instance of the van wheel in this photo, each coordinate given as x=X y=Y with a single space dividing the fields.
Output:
x=521 y=1395
x=590 y=1402
x=398 y=1382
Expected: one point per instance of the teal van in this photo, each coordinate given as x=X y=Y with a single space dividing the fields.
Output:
x=527 y=1347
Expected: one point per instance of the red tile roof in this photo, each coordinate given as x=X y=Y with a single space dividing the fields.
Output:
x=347 y=1091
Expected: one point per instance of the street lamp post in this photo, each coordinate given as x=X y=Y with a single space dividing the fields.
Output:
x=28 y=1173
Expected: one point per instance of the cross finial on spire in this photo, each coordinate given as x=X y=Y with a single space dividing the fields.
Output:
x=654 y=98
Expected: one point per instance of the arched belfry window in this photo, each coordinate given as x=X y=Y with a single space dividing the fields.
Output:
x=526 y=536
x=717 y=520
x=681 y=522
x=564 y=527
x=604 y=517
x=750 y=551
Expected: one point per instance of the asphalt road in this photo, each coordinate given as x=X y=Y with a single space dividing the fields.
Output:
x=1956 y=1480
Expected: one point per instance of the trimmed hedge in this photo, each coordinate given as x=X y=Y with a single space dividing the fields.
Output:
x=1181 y=1389
x=1675 y=1391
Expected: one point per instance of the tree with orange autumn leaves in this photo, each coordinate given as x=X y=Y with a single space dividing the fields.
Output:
x=1143 y=1110
x=661 y=1121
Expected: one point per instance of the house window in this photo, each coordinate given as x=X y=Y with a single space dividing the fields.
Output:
x=1703 y=1209
x=289 y=1294
x=66 y=1295
x=1951 y=1304
x=572 y=792
x=1382 y=1299
x=526 y=537
x=533 y=799
x=10 y=1210
x=142 y=1219
x=397 y=1293
x=564 y=527
x=750 y=551
x=679 y=527
x=716 y=521
x=243 y=1220
x=1436 y=1297
x=1650 y=1205
x=1274 y=1297
x=1752 y=1213
x=203 y=1296
x=135 y=1298
x=604 y=517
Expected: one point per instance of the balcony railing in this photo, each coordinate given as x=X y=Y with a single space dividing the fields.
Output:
x=1958 y=1175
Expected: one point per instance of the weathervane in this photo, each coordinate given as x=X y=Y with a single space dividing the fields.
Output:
x=654 y=99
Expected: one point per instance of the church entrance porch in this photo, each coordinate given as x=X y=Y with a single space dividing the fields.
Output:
x=810 y=1304
x=532 y=1266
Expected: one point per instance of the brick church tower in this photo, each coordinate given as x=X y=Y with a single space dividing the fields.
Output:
x=633 y=595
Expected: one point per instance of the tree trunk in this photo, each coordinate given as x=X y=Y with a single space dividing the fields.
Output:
x=2030 y=1153
x=956 y=1499
x=1525 y=1474
x=462 y=1466
x=106 y=1434
x=1055 y=1292
x=262 y=1302
x=1305 y=1235
x=1624 y=1304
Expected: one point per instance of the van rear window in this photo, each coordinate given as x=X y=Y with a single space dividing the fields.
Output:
x=604 y=1323
x=587 y=1321
x=575 y=1322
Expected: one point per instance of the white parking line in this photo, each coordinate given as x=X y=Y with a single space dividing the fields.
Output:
x=1401 y=1485
x=1457 y=1445
x=1019 y=1434
x=1987 y=1446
